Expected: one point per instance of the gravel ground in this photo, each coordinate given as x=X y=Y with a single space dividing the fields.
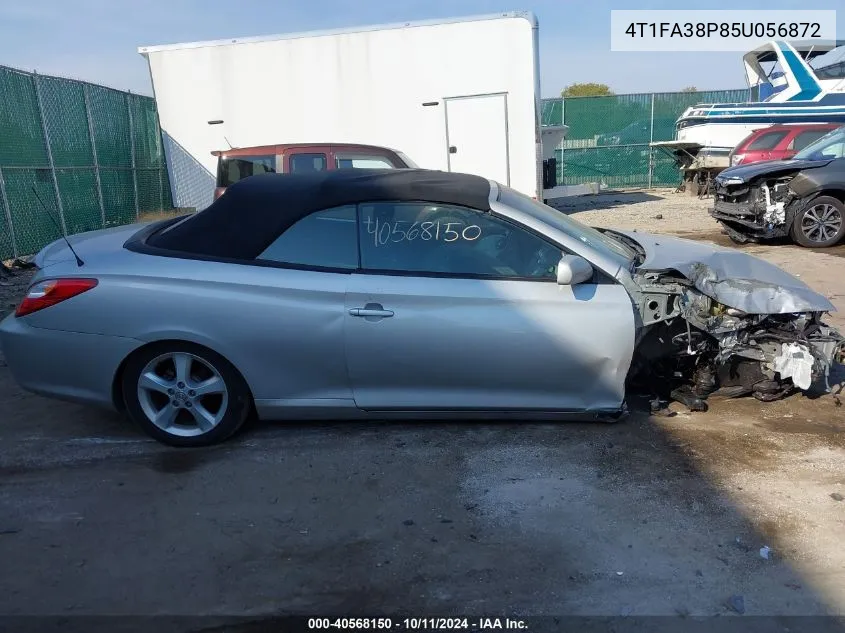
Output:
x=657 y=515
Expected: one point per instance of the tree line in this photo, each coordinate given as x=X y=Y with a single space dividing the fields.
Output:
x=598 y=90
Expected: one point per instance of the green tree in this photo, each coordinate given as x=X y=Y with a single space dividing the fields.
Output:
x=587 y=90
x=690 y=89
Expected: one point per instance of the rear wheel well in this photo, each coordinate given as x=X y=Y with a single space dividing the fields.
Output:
x=117 y=381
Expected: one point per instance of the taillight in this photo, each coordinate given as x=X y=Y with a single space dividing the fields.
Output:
x=50 y=292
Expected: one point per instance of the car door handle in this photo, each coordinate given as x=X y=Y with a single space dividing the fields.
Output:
x=370 y=312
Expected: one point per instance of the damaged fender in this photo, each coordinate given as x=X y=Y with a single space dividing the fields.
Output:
x=716 y=318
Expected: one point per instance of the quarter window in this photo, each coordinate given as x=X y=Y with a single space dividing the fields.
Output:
x=326 y=239
x=236 y=168
x=433 y=239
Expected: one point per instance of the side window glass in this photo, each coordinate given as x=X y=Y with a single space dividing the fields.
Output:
x=805 y=138
x=326 y=239
x=300 y=163
x=426 y=238
x=767 y=141
x=362 y=162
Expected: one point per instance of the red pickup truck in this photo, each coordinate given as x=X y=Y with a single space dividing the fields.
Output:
x=236 y=164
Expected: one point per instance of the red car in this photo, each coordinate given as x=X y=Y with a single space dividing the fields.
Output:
x=235 y=164
x=778 y=142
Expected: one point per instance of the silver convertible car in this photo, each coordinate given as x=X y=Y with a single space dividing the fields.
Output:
x=396 y=294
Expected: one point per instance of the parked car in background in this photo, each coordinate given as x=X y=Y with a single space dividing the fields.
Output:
x=236 y=164
x=778 y=142
x=401 y=293
x=803 y=197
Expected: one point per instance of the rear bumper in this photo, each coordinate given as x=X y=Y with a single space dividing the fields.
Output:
x=65 y=365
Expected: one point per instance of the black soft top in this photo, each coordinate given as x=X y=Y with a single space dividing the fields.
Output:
x=256 y=210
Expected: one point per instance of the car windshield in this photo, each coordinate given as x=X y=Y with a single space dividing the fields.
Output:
x=831 y=145
x=597 y=240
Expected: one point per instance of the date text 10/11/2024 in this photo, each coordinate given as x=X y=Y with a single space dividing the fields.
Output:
x=417 y=624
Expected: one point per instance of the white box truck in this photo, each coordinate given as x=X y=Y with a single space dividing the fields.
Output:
x=455 y=95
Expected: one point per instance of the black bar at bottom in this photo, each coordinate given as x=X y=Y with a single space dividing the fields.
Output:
x=383 y=624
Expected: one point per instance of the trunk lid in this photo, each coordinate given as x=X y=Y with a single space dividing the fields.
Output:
x=87 y=245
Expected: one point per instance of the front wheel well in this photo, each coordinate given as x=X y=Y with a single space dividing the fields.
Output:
x=117 y=381
x=839 y=194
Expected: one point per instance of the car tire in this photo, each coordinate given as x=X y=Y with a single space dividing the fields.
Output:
x=820 y=224
x=184 y=395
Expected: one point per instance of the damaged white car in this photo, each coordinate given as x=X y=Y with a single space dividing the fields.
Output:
x=401 y=293
x=803 y=197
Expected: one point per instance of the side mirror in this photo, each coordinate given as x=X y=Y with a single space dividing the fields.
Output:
x=573 y=270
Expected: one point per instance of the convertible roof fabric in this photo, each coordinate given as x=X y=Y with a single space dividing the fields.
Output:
x=256 y=210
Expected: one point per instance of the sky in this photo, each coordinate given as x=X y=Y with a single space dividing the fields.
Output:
x=97 y=40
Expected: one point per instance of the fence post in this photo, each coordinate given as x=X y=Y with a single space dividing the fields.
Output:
x=561 y=180
x=160 y=148
x=132 y=148
x=650 y=148
x=49 y=151
x=8 y=211
x=160 y=190
x=94 y=152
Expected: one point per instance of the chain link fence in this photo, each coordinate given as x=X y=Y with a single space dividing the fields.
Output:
x=608 y=138
x=92 y=154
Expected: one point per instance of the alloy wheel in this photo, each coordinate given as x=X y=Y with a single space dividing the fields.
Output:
x=821 y=222
x=182 y=394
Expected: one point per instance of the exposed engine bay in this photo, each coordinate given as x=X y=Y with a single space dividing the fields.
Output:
x=700 y=346
x=763 y=210
x=716 y=319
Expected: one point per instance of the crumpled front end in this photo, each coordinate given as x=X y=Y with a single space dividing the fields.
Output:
x=750 y=212
x=699 y=346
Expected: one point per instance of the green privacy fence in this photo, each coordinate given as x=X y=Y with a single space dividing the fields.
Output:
x=93 y=155
x=608 y=138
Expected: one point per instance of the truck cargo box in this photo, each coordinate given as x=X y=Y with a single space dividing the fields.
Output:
x=454 y=95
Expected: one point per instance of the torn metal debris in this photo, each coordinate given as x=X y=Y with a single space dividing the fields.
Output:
x=718 y=319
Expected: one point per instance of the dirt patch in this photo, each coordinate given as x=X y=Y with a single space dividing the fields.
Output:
x=720 y=239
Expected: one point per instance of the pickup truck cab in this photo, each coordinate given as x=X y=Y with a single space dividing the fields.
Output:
x=236 y=164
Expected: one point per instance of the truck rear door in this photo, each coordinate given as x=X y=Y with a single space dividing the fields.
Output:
x=477 y=136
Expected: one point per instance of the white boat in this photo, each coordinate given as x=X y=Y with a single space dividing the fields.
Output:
x=801 y=82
